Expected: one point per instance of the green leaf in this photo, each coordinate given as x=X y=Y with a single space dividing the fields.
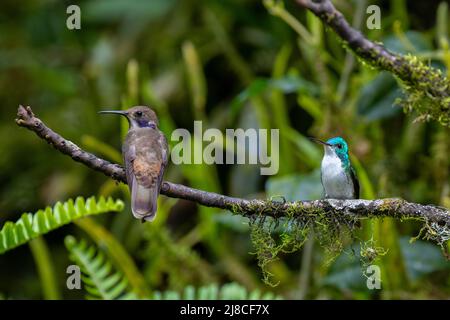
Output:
x=119 y=255
x=295 y=187
x=410 y=38
x=100 y=279
x=30 y=226
x=229 y=291
x=233 y=221
x=421 y=258
x=377 y=98
x=287 y=84
x=346 y=273
x=132 y=10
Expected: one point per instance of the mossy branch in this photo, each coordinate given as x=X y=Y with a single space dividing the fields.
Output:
x=427 y=88
x=396 y=208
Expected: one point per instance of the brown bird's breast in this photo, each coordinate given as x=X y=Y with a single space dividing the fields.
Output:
x=145 y=155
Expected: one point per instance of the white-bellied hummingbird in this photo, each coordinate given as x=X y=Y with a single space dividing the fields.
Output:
x=145 y=155
x=338 y=177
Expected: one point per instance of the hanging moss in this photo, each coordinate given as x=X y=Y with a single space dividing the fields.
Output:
x=274 y=235
x=268 y=243
x=369 y=253
x=426 y=89
x=277 y=228
x=435 y=232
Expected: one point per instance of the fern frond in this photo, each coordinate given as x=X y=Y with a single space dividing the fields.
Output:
x=30 y=226
x=101 y=280
x=118 y=254
x=229 y=291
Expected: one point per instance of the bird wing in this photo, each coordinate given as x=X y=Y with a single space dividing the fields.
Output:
x=164 y=154
x=355 y=182
x=324 y=193
x=129 y=154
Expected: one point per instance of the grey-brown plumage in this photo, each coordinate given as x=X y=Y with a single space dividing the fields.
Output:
x=145 y=155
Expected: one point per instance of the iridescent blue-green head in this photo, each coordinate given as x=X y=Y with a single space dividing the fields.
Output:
x=336 y=146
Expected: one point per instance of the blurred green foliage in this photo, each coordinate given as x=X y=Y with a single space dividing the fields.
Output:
x=233 y=63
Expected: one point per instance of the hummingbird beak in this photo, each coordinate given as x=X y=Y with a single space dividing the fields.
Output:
x=122 y=113
x=319 y=141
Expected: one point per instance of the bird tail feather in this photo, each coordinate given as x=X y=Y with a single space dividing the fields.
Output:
x=144 y=201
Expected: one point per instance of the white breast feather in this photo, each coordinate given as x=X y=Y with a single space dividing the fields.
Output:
x=335 y=182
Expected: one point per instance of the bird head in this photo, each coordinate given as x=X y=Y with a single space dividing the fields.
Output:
x=138 y=117
x=335 y=146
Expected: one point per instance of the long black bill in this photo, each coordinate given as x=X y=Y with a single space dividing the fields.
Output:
x=319 y=141
x=122 y=113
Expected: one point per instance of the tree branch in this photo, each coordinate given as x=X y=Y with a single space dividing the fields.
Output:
x=428 y=81
x=396 y=208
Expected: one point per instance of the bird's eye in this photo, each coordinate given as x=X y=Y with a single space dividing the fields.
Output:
x=339 y=146
x=138 y=114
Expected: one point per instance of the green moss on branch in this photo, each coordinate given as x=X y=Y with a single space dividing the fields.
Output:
x=427 y=89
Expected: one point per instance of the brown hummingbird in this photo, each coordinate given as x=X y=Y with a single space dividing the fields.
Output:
x=145 y=152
